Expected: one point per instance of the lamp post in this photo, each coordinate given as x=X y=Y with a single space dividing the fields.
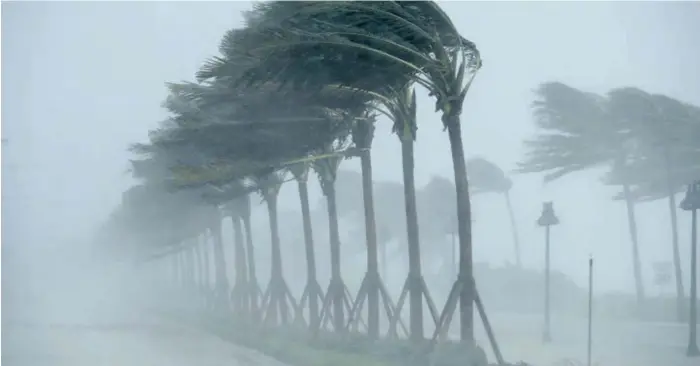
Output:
x=691 y=203
x=547 y=219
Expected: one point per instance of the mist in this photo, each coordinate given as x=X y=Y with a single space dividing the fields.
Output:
x=84 y=80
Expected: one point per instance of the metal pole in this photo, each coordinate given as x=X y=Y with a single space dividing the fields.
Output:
x=546 y=336
x=693 y=350
x=590 y=311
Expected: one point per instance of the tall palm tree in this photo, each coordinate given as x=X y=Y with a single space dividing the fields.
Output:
x=312 y=291
x=278 y=297
x=327 y=170
x=362 y=137
x=485 y=176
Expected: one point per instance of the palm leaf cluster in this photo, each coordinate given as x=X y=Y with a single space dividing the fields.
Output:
x=648 y=144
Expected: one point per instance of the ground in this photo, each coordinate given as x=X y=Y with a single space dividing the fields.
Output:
x=89 y=323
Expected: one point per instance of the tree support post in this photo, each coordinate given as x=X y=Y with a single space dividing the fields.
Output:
x=448 y=311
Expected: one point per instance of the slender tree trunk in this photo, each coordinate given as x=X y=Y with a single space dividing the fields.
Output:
x=680 y=293
x=241 y=286
x=513 y=229
x=672 y=206
x=464 y=229
x=414 y=265
x=311 y=279
x=336 y=277
x=221 y=280
x=189 y=254
x=371 y=239
x=276 y=273
x=204 y=242
x=252 y=272
x=636 y=261
x=198 y=261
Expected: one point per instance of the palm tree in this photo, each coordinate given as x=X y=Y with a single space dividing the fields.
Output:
x=485 y=176
x=336 y=298
x=362 y=136
x=312 y=291
x=277 y=294
x=579 y=132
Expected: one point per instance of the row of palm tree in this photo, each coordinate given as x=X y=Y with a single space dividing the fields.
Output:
x=299 y=88
x=648 y=143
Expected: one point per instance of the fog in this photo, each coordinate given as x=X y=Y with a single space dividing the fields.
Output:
x=83 y=80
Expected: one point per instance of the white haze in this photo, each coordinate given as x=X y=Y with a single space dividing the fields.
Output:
x=82 y=80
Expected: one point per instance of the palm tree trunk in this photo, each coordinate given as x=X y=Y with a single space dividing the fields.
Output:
x=371 y=239
x=414 y=265
x=337 y=287
x=680 y=293
x=276 y=288
x=189 y=265
x=198 y=261
x=252 y=272
x=204 y=242
x=312 y=282
x=221 y=280
x=514 y=230
x=636 y=262
x=464 y=229
x=241 y=286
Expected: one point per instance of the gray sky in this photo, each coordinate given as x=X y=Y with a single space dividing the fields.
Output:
x=83 y=80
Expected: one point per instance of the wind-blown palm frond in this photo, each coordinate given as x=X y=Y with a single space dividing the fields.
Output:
x=577 y=132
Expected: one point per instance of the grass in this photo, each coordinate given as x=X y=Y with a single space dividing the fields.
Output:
x=296 y=347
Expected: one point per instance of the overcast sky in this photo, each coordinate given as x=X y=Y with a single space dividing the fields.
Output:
x=82 y=80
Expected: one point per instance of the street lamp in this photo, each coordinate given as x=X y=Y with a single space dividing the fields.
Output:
x=547 y=219
x=691 y=203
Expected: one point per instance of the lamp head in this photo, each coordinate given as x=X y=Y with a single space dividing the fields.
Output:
x=548 y=218
x=691 y=201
